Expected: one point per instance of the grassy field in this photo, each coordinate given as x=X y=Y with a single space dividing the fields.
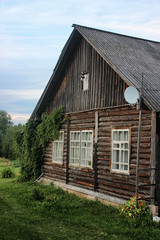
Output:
x=35 y=211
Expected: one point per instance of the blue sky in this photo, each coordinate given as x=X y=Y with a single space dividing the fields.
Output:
x=33 y=33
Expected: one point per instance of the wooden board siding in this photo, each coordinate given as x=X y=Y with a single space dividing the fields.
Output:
x=112 y=183
x=106 y=88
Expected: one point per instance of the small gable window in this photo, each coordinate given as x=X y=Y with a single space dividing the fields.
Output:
x=84 y=77
x=58 y=149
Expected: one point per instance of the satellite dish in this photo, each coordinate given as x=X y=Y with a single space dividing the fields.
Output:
x=131 y=95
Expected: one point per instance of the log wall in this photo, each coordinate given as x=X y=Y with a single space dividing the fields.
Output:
x=120 y=185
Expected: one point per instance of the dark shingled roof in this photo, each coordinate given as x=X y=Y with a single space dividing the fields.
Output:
x=128 y=56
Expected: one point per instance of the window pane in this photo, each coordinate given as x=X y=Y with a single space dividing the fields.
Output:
x=115 y=136
x=61 y=136
x=60 y=145
x=89 y=144
x=121 y=167
x=122 y=156
x=55 y=151
x=115 y=166
x=83 y=162
x=125 y=135
x=75 y=136
x=121 y=136
x=71 y=160
x=90 y=136
x=76 y=144
x=78 y=136
x=126 y=157
x=82 y=153
x=76 y=161
x=126 y=145
x=115 y=155
x=72 y=136
x=115 y=145
x=76 y=152
x=122 y=145
x=89 y=153
x=83 y=135
x=126 y=167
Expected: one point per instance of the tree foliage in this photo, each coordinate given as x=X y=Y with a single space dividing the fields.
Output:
x=10 y=146
x=5 y=122
x=35 y=139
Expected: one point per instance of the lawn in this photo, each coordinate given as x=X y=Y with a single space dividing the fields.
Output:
x=35 y=211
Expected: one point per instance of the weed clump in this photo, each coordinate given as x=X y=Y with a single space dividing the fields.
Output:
x=7 y=173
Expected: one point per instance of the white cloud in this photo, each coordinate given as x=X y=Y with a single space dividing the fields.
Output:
x=19 y=118
x=20 y=94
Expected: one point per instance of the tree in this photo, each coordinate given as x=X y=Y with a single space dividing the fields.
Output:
x=8 y=149
x=5 y=122
x=11 y=142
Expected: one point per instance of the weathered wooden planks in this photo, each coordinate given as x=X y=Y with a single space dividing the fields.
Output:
x=106 y=88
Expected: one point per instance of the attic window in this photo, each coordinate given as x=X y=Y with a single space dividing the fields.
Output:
x=84 y=77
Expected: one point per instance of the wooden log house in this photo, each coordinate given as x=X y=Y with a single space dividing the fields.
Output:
x=97 y=147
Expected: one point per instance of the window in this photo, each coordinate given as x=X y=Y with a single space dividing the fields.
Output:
x=84 y=78
x=120 y=150
x=81 y=148
x=58 y=149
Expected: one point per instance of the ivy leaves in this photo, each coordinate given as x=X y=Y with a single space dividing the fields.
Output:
x=35 y=139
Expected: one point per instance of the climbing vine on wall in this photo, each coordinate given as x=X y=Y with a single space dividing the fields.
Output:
x=36 y=136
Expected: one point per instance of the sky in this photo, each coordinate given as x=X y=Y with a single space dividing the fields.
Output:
x=34 y=32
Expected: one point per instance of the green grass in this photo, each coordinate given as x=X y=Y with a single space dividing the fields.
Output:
x=42 y=212
x=35 y=211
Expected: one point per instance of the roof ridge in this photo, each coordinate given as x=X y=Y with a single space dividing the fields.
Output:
x=119 y=34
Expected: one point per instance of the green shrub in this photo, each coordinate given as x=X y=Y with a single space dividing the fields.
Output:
x=7 y=173
x=129 y=208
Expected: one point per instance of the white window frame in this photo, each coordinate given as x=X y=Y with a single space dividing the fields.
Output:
x=79 y=162
x=55 y=158
x=85 y=81
x=120 y=147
